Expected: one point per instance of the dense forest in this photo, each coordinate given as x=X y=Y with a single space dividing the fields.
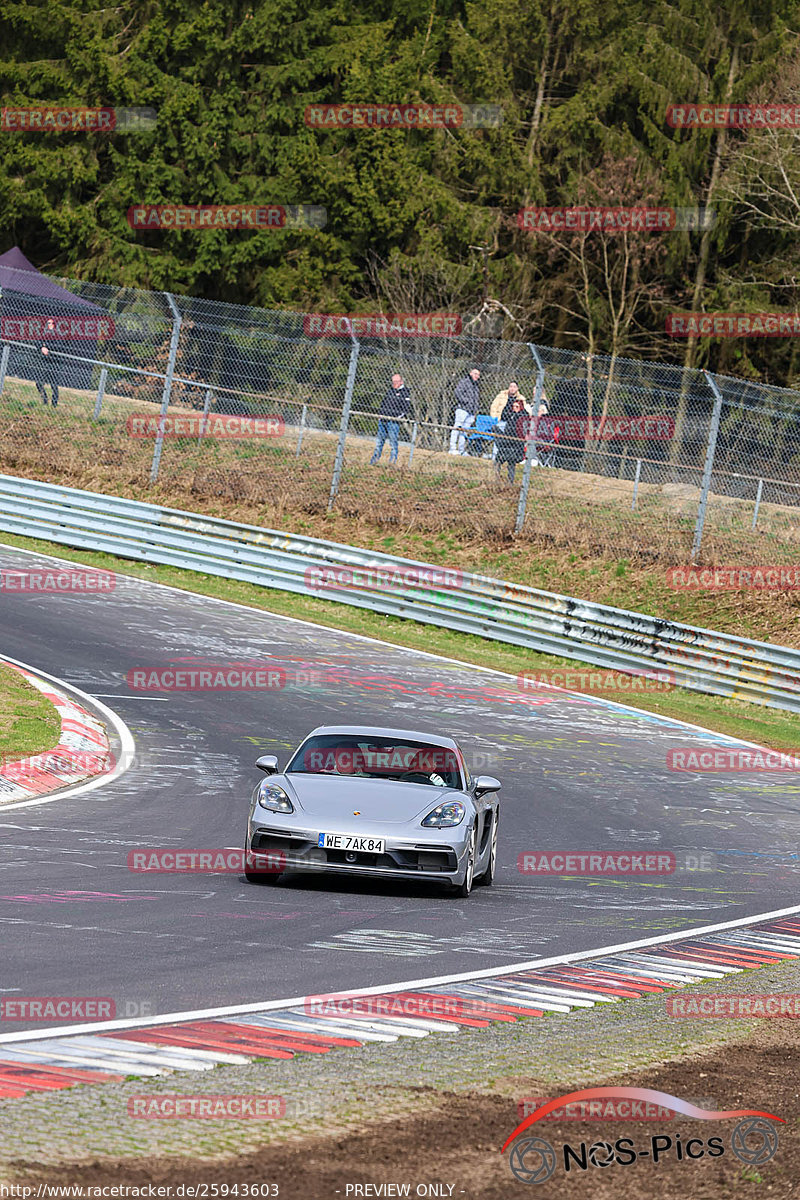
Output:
x=425 y=219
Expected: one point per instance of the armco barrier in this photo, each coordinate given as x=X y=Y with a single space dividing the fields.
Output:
x=700 y=659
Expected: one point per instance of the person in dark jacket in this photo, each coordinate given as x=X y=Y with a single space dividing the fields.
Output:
x=511 y=445
x=395 y=404
x=46 y=368
x=468 y=398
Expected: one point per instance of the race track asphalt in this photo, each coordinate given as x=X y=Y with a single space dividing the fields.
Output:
x=578 y=774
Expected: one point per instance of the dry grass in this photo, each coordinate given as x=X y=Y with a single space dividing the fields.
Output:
x=265 y=482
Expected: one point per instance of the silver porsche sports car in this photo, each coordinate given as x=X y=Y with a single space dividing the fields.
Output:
x=380 y=802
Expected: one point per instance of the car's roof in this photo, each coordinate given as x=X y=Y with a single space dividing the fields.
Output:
x=433 y=739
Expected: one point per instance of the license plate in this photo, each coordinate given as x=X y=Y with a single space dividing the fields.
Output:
x=348 y=841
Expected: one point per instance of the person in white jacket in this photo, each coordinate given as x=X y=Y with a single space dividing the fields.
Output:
x=511 y=393
x=502 y=399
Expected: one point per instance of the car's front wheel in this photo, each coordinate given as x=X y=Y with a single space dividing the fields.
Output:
x=259 y=876
x=464 y=888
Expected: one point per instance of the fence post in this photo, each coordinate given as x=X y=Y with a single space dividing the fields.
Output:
x=708 y=468
x=348 y=398
x=209 y=396
x=758 y=502
x=636 y=479
x=302 y=430
x=165 y=397
x=101 y=391
x=4 y=367
x=531 y=448
x=414 y=432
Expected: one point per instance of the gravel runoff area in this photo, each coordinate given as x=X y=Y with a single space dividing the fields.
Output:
x=420 y=1112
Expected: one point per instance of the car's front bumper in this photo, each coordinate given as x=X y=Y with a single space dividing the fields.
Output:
x=403 y=858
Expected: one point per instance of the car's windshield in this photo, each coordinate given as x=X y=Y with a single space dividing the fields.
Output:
x=377 y=758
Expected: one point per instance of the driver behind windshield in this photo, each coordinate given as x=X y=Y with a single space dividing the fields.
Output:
x=404 y=761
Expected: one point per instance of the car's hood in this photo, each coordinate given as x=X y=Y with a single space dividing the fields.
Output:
x=384 y=800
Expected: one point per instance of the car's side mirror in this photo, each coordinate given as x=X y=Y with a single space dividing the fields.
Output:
x=268 y=763
x=486 y=783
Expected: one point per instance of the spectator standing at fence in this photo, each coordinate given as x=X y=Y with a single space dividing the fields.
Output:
x=395 y=405
x=502 y=399
x=511 y=445
x=46 y=368
x=468 y=398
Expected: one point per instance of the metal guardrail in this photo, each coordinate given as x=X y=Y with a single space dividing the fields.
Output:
x=700 y=659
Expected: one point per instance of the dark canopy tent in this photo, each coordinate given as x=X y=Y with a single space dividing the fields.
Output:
x=29 y=293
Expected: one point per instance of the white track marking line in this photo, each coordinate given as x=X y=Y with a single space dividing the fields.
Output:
x=298 y=1002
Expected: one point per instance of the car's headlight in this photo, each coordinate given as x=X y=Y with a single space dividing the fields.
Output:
x=451 y=813
x=274 y=798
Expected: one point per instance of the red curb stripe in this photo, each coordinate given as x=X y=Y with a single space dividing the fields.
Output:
x=609 y=975
x=742 y=954
x=470 y=1017
x=708 y=957
x=244 y=1036
x=26 y=777
x=764 y=955
x=515 y=1010
x=10 y=1091
x=38 y=1077
x=177 y=1037
x=300 y=1036
x=601 y=989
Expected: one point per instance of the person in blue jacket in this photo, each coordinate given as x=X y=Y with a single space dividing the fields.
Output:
x=395 y=404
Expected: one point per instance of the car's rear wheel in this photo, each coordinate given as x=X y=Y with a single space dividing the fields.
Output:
x=464 y=888
x=486 y=878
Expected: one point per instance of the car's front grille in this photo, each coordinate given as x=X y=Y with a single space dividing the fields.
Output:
x=413 y=858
